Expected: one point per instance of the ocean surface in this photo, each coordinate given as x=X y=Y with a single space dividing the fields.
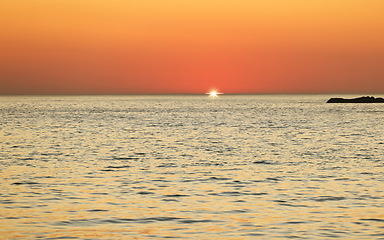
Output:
x=190 y=167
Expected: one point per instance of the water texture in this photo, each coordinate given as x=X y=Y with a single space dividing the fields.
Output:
x=233 y=167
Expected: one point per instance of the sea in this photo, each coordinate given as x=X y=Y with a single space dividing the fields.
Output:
x=191 y=167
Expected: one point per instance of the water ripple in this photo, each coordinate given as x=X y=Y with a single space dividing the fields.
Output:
x=190 y=167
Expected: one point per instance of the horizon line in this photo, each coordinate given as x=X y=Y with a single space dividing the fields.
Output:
x=137 y=94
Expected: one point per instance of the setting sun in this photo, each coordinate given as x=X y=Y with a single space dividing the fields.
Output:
x=213 y=93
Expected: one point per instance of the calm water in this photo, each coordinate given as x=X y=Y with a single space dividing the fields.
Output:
x=234 y=167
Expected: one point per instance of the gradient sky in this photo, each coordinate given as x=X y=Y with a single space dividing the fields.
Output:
x=191 y=46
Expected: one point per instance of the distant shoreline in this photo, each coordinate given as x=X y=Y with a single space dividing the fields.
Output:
x=367 y=99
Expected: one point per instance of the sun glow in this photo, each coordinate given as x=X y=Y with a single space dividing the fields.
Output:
x=213 y=93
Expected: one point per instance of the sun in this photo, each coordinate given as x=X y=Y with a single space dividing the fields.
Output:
x=213 y=93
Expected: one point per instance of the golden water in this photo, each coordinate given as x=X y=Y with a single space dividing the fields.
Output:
x=233 y=167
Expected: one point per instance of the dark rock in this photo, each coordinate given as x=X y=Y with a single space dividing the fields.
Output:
x=356 y=100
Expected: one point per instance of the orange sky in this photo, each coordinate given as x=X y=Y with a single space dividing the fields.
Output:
x=191 y=46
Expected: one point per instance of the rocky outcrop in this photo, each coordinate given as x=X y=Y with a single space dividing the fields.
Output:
x=356 y=100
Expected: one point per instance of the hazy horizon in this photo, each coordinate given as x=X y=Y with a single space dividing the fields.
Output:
x=193 y=94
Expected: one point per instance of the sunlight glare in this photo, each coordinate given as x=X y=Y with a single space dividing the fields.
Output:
x=213 y=93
